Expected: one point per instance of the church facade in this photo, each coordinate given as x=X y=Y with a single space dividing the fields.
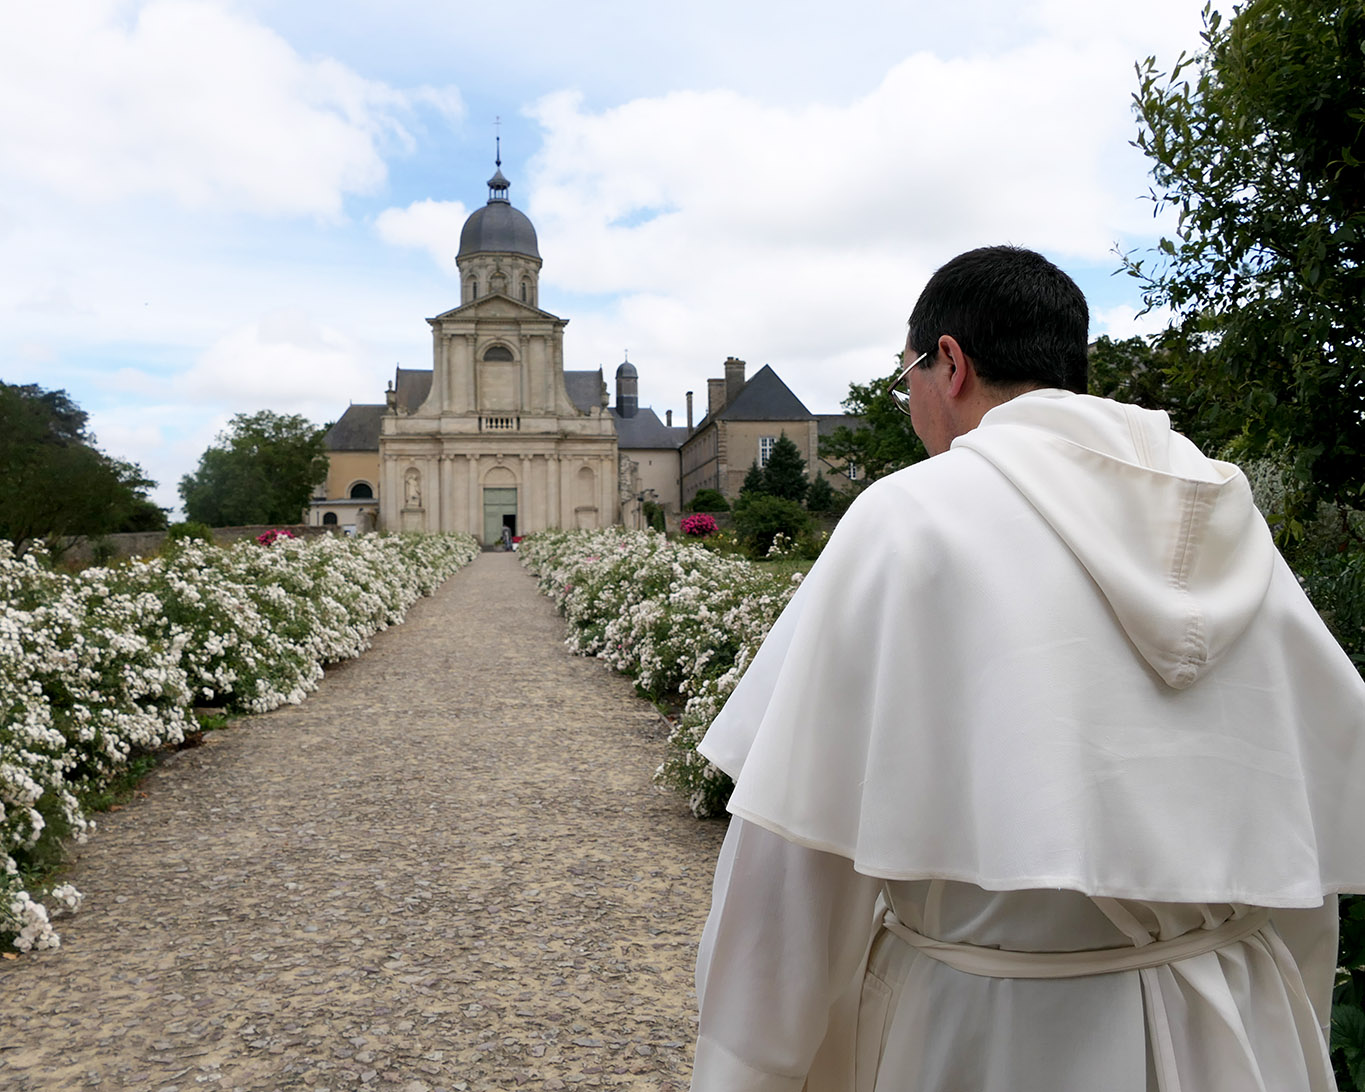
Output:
x=497 y=441
x=498 y=437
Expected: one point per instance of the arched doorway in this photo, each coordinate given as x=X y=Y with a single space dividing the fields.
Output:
x=499 y=504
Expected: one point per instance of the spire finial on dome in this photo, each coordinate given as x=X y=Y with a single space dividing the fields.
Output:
x=497 y=185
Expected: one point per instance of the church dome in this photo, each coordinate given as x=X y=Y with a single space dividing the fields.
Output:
x=627 y=371
x=498 y=227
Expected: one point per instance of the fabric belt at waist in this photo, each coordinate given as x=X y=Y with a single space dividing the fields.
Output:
x=1000 y=963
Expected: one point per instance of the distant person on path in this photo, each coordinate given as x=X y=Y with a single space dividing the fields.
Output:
x=1049 y=775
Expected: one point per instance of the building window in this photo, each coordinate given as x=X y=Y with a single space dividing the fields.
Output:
x=497 y=352
x=362 y=491
x=852 y=471
x=473 y=290
x=765 y=448
x=329 y=519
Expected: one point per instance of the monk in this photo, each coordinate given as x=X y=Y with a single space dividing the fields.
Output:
x=1049 y=775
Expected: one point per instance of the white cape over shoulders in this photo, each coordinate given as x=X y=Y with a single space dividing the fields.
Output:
x=971 y=685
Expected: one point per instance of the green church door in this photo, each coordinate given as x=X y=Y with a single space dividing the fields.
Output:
x=499 y=510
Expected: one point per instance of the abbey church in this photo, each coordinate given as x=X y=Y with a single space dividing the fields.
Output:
x=497 y=434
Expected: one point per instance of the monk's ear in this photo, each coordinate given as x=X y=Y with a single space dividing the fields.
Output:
x=960 y=365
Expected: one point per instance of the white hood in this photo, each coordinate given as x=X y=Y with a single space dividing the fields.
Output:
x=1171 y=537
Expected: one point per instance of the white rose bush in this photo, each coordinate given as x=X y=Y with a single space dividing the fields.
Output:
x=107 y=664
x=678 y=618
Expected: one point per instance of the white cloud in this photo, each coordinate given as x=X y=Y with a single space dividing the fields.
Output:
x=801 y=235
x=285 y=361
x=430 y=225
x=1123 y=321
x=190 y=100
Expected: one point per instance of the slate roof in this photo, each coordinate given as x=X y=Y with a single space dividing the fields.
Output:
x=412 y=386
x=826 y=423
x=356 y=430
x=585 y=388
x=645 y=430
x=764 y=398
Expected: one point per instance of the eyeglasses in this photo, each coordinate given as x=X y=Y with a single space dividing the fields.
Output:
x=900 y=396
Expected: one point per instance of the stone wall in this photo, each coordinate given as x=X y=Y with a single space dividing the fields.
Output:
x=143 y=543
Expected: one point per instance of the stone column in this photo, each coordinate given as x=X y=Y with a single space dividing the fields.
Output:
x=524 y=523
x=459 y=493
x=448 y=509
x=608 y=490
x=471 y=374
x=391 y=496
x=438 y=396
x=552 y=483
x=431 y=496
x=529 y=397
x=475 y=499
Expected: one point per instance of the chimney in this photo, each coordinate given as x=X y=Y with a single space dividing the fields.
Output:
x=715 y=396
x=668 y=418
x=689 y=411
x=734 y=378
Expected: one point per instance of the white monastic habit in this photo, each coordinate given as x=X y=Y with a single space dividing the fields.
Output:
x=1046 y=779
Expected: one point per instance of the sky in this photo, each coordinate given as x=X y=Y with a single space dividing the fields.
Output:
x=211 y=207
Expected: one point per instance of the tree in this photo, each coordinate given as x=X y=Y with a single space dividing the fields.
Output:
x=1258 y=141
x=262 y=469
x=761 y=517
x=1157 y=377
x=58 y=485
x=785 y=474
x=821 y=497
x=881 y=442
x=754 y=481
x=708 y=500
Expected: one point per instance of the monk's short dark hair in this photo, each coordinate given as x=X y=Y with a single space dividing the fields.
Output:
x=1022 y=320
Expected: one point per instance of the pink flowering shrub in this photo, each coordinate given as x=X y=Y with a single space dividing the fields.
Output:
x=274 y=536
x=699 y=525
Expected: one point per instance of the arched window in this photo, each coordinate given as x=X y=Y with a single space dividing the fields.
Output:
x=497 y=352
x=329 y=519
x=473 y=289
x=525 y=291
x=362 y=491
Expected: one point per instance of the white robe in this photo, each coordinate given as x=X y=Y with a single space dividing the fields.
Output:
x=1054 y=678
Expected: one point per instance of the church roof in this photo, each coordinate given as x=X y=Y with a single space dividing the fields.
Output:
x=356 y=430
x=412 y=385
x=585 y=388
x=498 y=227
x=826 y=423
x=765 y=398
x=644 y=429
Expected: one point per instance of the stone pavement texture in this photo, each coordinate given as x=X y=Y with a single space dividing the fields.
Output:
x=446 y=869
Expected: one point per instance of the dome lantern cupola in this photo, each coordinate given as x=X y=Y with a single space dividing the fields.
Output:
x=498 y=227
x=498 y=184
x=499 y=253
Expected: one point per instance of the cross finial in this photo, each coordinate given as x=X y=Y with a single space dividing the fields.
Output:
x=497 y=126
x=627 y=356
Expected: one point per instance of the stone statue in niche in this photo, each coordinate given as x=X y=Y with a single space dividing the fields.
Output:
x=412 y=488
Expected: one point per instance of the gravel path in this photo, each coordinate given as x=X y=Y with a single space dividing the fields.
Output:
x=447 y=869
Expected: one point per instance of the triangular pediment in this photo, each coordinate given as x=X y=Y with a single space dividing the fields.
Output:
x=496 y=306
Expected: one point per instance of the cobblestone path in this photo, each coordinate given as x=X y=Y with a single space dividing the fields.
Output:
x=446 y=869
